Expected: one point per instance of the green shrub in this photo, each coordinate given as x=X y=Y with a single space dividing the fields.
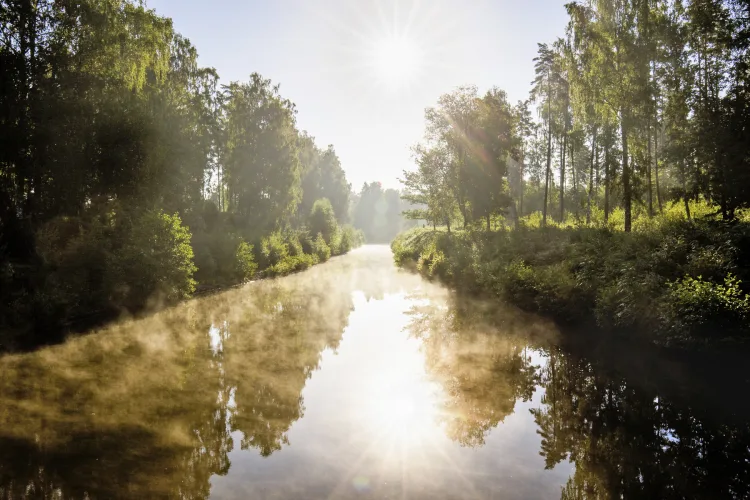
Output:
x=293 y=242
x=694 y=306
x=336 y=243
x=620 y=279
x=154 y=256
x=290 y=265
x=322 y=220
x=245 y=265
x=273 y=250
x=75 y=255
x=352 y=238
x=321 y=250
x=223 y=258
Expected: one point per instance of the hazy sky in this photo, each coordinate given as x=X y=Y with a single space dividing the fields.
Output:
x=362 y=71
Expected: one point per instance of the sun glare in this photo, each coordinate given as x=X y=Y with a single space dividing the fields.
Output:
x=396 y=60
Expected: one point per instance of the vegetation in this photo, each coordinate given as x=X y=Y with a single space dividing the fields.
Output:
x=675 y=281
x=379 y=213
x=643 y=113
x=130 y=176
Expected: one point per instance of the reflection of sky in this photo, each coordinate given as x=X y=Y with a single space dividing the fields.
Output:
x=371 y=427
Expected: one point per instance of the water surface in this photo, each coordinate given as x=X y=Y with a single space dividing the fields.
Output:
x=357 y=380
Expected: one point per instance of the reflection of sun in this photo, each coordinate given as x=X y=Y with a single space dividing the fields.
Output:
x=402 y=406
x=396 y=60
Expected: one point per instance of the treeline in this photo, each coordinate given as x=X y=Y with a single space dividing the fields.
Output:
x=642 y=104
x=379 y=213
x=639 y=156
x=129 y=172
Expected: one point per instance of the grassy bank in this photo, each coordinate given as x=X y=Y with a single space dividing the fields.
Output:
x=672 y=281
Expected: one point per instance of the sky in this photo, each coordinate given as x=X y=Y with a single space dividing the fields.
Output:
x=362 y=72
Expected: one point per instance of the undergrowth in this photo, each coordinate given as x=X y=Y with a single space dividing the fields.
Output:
x=673 y=280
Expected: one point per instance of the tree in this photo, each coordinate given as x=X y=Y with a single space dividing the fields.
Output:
x=542 y=92
x=429 y=187
x=323 y=220
x=260 y=156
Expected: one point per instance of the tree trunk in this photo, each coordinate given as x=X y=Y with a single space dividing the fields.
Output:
x=591 y=176
x=648 y=173
x=571 y=160
x=684 y=189
x=514 y=215
x=549 y=153
x=607 y=181
x=656 y=166
x=563 y=150
x=520 y=183
x=626 y=188
x=488 y=223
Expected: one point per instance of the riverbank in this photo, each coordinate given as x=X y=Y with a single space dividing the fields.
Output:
x=80 y=284
x=675 y=282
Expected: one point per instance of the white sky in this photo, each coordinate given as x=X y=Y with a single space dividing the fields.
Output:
x=332 y=59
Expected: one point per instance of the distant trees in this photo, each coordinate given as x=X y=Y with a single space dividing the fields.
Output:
x=378 y=213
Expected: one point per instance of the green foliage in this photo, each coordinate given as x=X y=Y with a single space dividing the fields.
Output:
x=694 y=305
x=282 y=254
x=102 y=263
x=323 y=220
x=245 y=261
x=114 y=124
x=155 y=256
x=290 y=264
x=273 y=249
x=378 y=213
x=349 y=238
x=261 y=157
x=676 y=281
x=321 y=250
x=322 y=177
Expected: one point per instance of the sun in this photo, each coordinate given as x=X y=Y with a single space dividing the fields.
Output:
x=396 y=60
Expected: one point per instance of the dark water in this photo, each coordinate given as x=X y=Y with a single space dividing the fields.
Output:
x=356 y=380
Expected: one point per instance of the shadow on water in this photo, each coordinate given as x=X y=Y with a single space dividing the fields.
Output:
x=153 y=408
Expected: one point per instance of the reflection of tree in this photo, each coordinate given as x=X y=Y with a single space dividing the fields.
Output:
x=143 y=409
x=629 y=443
x=272 y=351
x=482 y=368
x=105 y=415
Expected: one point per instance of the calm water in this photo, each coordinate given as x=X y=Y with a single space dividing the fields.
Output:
x=357 y=380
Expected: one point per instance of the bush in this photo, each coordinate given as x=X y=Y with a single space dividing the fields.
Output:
x=75 y=255
x=293 y=243
x=635 y=281
x=323 y=220
x=245 y=266
x=694 y=306
x=110 y=260
x=223 y=257
x=321 y=251
x=155 y=256
x=273 y=250
x=290 y=265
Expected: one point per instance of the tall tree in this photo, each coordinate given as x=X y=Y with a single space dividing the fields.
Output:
x=261 y=162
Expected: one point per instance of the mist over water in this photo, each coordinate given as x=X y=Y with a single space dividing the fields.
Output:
x=352 y=380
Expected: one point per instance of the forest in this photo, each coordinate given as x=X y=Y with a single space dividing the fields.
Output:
x=130 y=176
x=618 y=192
